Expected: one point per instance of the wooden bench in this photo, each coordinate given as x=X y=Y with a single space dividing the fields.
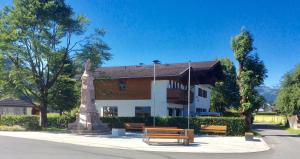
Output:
x=134 y=126
x=217 y=129
x=159 y=127
x=168 y=133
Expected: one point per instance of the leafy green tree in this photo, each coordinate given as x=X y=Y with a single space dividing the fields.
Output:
x=288 y=98
x=225 y=94
x=251 y=74
x=38 y=36
x=64 y=95
x=95 y=50
x=6 y=91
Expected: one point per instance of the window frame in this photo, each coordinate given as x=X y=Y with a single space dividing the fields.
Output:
x=144 y=113
x=114 y=112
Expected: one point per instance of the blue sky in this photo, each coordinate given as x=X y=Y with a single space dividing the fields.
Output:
x=139 y=31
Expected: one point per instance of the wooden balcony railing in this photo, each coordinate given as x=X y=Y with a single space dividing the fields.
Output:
x=178 y=96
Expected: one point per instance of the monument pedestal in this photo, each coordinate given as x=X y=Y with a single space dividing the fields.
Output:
x=88 y=123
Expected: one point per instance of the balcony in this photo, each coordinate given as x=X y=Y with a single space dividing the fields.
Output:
x=178 y=96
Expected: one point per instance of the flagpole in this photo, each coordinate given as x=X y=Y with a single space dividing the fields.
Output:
x=154 y=93
x=189 y=89
x=154 y=114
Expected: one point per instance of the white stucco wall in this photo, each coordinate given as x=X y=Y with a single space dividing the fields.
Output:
x=29 y=111
x=127 y=107
x=15 y=110
x=201 y=102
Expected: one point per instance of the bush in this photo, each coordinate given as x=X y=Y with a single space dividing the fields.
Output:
x=60 y=121
x=32 y=122
x=235 y=126
x=12 y=128
x=232 y=114
x=274 y=119
x=266 y=113
x=28 y=122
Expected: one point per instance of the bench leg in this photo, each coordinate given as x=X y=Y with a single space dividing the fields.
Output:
x=186 y=142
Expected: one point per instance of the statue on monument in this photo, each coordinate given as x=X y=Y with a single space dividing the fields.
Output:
x=88 y=119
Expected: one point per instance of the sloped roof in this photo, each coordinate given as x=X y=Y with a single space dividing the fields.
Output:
x=142 y=71
x=15 y=103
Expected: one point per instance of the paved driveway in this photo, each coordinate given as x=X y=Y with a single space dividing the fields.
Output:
x=283 y=146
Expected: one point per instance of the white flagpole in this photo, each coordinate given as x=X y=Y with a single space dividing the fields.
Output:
x=154 y=78
x=189 y=89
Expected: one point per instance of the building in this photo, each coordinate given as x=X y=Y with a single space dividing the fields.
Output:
x=130 y=90
x=15 y=107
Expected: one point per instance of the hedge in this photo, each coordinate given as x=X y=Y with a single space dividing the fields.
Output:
x=28 y=122
x=274 y=119
x=235 y=125
x=60 y=121
x=266 y=113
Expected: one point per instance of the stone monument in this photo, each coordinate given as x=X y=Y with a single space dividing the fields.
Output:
x=88 y=119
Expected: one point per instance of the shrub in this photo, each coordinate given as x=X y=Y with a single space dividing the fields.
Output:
x=32 y=122
x=28 y=122
x=232 y=114
x=235 y=125
x=274 y=119
x=12 y=128
x=266 y=113
x=60 y=121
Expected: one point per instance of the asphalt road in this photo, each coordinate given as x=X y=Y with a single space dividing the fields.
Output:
x=283 y=146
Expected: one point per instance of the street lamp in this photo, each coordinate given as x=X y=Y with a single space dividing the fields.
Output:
x=154 y=80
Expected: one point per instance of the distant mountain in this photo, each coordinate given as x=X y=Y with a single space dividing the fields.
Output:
x=269 y=93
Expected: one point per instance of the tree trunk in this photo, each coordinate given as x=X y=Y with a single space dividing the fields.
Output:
x=43 y=115
x=248 y=121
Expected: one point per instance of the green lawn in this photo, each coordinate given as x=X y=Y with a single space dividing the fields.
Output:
x=293 y=131
x=52 y=129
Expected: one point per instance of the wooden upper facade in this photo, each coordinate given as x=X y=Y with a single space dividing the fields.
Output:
x=134 y=82
x=123 y=89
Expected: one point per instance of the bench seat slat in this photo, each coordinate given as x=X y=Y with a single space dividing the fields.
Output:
x=214 y=129
x=166 y=137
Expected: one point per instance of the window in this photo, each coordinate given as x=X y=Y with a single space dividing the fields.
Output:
x=109 y=111
x=170 y=110
x=202 y=93
x=24 y=111
x=198 y=110
x=178 y=112
x=141 y=111
x=122 y=85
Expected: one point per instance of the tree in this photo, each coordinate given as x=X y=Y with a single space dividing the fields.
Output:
x=251 y=74
x=225 y=94
x=37 y=36
x=288 y=98
x=5 y=88
x=64 y=95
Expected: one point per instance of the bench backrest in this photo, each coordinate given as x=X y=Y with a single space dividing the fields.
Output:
x=163 y=130
x=161 y=127
x=134 y=125
x=214 y=127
